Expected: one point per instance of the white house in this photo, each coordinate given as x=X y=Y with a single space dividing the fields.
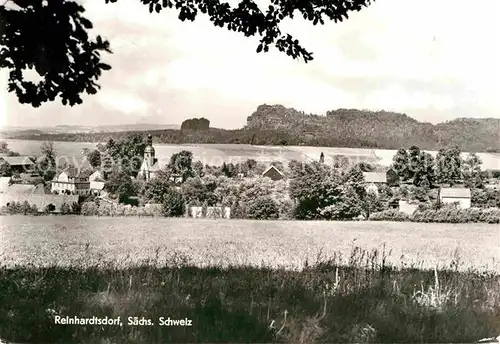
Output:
x=451 y=195
x=71 y=181
x=96 y=180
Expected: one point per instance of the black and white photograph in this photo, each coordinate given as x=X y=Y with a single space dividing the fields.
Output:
x=249 y=171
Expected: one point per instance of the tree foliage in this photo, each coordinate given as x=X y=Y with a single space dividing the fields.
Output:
x=120 y=185
x=471 y=171
x=182 y=164
x=46 y=164
x=94 y=158
x=449 y=166
x=52 y=37
x=125 y=154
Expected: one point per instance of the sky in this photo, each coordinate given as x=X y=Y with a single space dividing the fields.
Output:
x=435 y=60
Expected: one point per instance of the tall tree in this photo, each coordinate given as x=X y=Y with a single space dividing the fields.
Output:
x=400 y=164
x=182 y=164
x=314 y=187
x=471 y=171
x=94 y=158
x=126 y=153
x=120 y=185
x=46 y=164
x=449 y=166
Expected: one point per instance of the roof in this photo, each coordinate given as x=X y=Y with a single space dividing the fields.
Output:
x=149 y=149
x=17 y=160
x=73 y=172
x=375 y=177
x=272 y=167
x=455 y=192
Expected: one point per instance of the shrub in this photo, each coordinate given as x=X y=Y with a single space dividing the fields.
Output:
x=451 y=214
x=263 y=208
x=65 y=209
x=89 y=208
x=389 y=215
x=173 y=204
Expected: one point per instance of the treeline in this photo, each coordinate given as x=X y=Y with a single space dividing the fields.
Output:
x=277 y=125
x=260 y=137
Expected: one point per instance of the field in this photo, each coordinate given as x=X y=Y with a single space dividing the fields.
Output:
x=86 y=267
x=215 y=154
x=65 y=240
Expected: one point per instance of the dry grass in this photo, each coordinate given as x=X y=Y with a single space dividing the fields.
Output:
x=48 y=240
x=366 y=301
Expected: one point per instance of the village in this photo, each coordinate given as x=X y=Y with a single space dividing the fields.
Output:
x=280 y=189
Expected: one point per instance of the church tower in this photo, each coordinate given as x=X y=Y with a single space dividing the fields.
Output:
x=149 y=152
x=149 y=165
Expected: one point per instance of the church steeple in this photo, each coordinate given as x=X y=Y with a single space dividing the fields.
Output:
x=149 y=152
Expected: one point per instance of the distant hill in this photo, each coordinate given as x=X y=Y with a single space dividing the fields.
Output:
x=384 y=129
x=65 y=129
x=278 y=125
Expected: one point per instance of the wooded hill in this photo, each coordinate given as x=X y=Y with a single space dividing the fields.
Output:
x=278 y=125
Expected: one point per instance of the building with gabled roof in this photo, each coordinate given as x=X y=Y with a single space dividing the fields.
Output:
x=150 y=166
x=18 y=164
x=462 y=196
x=273 y=173
x=71 y=181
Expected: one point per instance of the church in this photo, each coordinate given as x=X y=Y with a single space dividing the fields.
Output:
x=150 y=165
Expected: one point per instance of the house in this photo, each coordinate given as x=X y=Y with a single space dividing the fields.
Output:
x=452 y=195
x=96 y=176
x=150 y=166
x=377 y=178
x=273 y=173
x=96 y=180
x=71 y=181
x=373 y=180
x=18 y=164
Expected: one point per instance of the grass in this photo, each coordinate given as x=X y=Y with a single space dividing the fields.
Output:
x=46 y=240
x=365 y=300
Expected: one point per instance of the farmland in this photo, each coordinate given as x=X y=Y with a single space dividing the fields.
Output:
x=361 y=296
x=65 y=240
x=215 y=154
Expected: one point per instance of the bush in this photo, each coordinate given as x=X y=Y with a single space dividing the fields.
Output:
x=173 y=204
x=389 y=215
x=89 y=208
x=65 y=209
x=263 y=208
x=451 y=214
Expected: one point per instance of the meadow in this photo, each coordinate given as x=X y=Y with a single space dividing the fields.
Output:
x=216 y=154
x=343 y=282
x=57 y=240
